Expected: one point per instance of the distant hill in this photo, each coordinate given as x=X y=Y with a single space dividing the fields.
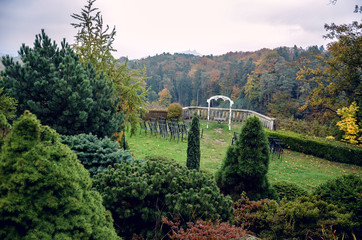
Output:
x=263 y=80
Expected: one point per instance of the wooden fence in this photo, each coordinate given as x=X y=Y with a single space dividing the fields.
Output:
x=237 y=115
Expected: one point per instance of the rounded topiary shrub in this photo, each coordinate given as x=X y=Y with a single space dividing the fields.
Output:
x=139 y=194
x=174 y=110
x=96 y=154
x=45 y=193
x=344 y=191
x=288 y=190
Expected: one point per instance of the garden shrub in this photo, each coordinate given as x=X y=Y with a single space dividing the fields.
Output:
x=307 y=217
x=139 y=194
x=174 y=110
x=96 y=154
x=289 y=190
x=345 y=191
x=246 y=164
x=319 y=147
x=44 y=192
x=193 y=144
x=204 y=230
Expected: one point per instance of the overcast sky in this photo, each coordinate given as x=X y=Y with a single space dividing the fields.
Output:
x=149 y=27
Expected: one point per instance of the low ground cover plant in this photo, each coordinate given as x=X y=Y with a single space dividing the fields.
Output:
x=346 y=192
x=306 y=217
x=139 y=194
x=288 y=190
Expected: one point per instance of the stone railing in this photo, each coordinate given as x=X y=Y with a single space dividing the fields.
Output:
x=237 y=115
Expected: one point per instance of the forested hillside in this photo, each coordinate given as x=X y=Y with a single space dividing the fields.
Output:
x=265 y=80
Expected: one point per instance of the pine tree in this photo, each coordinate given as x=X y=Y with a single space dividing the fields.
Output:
x=61 y=91
x=246 y=164
x=193 y=144
x=45 y=193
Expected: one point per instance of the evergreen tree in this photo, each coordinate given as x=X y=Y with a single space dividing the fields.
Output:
x=62 y=92
x=44 y=192
x=246 y=164
x=193 y=144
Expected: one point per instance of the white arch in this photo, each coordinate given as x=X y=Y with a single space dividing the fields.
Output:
x=216 y=98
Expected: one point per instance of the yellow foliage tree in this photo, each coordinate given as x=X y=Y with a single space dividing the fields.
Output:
x=349 y=125
x=165 y=97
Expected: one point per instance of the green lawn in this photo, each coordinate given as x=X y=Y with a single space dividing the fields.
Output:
x=304 y=170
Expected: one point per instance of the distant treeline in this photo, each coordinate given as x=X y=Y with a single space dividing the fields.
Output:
x=264 y=81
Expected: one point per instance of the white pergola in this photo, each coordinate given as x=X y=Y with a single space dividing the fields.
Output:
x=216 y=98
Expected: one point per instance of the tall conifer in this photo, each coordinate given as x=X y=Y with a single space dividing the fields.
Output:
x=246 y=164
x=193 y=144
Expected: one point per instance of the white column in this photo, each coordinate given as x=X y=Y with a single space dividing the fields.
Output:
x=208 y=113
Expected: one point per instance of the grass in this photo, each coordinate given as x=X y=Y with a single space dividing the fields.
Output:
x=304 y=170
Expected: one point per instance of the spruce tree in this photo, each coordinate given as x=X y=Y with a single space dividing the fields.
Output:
x=61 y=91
x=193 y=144
x=246 y=164
x=45 y=193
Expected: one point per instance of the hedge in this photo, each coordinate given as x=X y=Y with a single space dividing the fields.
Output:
x=331 y=150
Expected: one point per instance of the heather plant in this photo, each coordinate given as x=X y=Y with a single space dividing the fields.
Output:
x=246 y=164
x=204 y=230
x=345 y=191
x=193 y=144
x=139 y=194
x=174 y=110
x=44 y=192
x=96 y=154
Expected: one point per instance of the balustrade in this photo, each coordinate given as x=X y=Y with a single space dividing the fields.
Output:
x=237 y=115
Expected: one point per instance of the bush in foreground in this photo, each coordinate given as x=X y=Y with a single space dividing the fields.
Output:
x=139 y=194
x=96 y=154
x=45 y=193
x=204 y=230
x=307 y=217
x=345 y=191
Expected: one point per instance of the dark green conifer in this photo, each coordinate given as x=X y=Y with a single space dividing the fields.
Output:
x=246 y=164
x=193 y=144
x=45 y=193
x=62 y=92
